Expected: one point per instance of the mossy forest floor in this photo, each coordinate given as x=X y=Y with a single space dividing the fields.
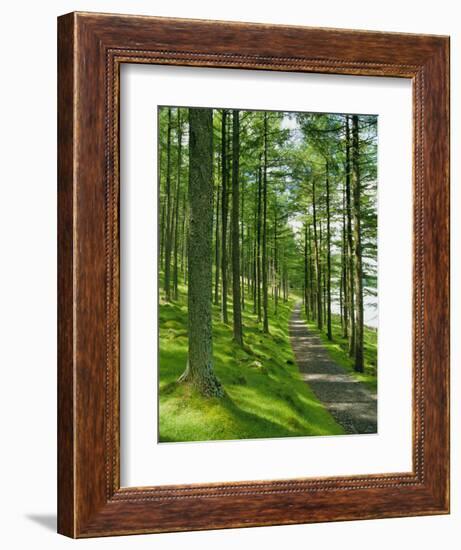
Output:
x=265 y=395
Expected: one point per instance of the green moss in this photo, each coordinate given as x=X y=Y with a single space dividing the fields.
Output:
x=264 y=393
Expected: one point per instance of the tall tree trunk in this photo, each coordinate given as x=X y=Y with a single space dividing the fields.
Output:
x=341 y=303
x=306 y=267
x=168 y=231
x=185 y=233
x=345 y=327
x=358 y=354
x=286 y=283
x=276 y=266
x=176 y=213
x=184 y=223
x=344 y=260
x=217 y=259
x=162 y=233
x=350 y=270
x=229 y=199
x=255 y=244
x=312 y=306
x=224 y=205
x=162 y=210
x=242 y=246
x=323 y=270
x=236 y=297
x=317 y=261
x=329 y=335
x=264 y=259
x=199 y=371
x=324 y=291
x=258 y=260
x=283 y=277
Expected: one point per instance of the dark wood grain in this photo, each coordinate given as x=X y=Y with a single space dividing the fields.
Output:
x=66 y=487
x=91 y=49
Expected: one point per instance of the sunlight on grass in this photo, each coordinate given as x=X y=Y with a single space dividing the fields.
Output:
x=265 y=396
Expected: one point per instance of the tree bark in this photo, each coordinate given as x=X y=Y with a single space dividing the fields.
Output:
x=236 y=290
x=176 y=210
x=276 y=262
x=162 y=207
x=350 y=249
x=255 y=244
x=168 y=231
x=162 y=233
x=344 y=260
x=358 y=350
x=341 y=303
x=329 y=335
x=258 y=260
x=224 y=205
x=317 y=261
x=264 y=258
x=312 y=307
x=306 y=283
x=199 y=371
x=217 y=259
x=323 y=270
x=242 y=244
x=184 y=232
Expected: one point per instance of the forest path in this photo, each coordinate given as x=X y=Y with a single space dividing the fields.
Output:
x=349 y=401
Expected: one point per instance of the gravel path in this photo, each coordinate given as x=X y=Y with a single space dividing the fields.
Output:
x=349 y=401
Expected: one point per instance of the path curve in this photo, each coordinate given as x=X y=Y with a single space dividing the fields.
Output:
x=349 y=401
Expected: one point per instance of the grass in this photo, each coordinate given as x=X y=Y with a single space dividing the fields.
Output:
x=338 y=350
x=264 y=393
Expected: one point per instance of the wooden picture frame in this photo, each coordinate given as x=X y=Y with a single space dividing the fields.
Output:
x=91 y=50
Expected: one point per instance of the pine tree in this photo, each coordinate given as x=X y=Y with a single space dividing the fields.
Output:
x=199 y=371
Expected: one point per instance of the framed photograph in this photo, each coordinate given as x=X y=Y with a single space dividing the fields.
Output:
x=253 y=275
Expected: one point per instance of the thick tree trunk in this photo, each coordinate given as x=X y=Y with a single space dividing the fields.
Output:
x=236 y=297
x=199 y=371
x=358 y=350
x=224 y=205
